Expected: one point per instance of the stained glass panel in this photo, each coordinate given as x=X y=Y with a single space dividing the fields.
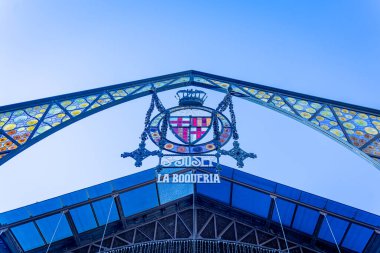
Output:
x=238 y=92
x=122 y=93
x=262 y=95
x=373 y=148
x=360 y=127
x=327 y=121
x=162 y=83
x=280 y=103
x=54 y=117
x=202 y=80
x=103 y=100
x=20 y=124
x=184 y=79
x=77 y=106
x=145 y=88
x=305 y=108
x=224 y=85
x=6 y=144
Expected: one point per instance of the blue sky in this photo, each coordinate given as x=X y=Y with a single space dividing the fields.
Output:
x=322 y=48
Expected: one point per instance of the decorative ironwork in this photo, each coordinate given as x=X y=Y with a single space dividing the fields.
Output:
x=140 y=154
x=356 y=127
x=190 y=130
x=238 y=154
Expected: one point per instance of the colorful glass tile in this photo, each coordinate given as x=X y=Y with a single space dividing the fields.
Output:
x=305 y=108
x=238 y=92
x=53 y=118
x=145 y=88
x=280 y=103
x=262 y=95
x=77 y=106
x=20 y=124
x=121 y=93
x=326 y=120
x=4 y=117
x=37 y=111
x=373 y=148
x=103 y=100
x=184 y=79
x=202 y=80
x=41 y=129
x=6 y=144
x=224 y=85
x=162 y=83
x=360 y=127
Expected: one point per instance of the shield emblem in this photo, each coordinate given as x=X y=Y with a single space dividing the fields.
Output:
x=190 y=129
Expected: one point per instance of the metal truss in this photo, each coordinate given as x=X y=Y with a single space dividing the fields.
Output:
x=24 y=124
x=209 y=226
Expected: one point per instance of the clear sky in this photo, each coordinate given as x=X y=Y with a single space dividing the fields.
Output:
x=323 y=48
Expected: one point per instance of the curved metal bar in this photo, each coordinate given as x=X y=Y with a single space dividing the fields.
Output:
x=355 y=127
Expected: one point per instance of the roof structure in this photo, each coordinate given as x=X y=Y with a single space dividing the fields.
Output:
x=137 y=209
x=24 y=124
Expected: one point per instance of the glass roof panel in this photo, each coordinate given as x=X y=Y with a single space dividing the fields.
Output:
x=49 y=224
x=99 y=190
x=83 y=218
x=287 y=191
x=170 y=192
x=368 y=218
x=254 y=181
x=28 y=237
x=286 y=210
x=14 y=216
x=313 y=200
x=74 y=197
x=134 y=179
x=305 y=219
x=220 y=192
x=102 y=209
x=338 y=227
x=357 y=238
x=250 y=200
x=45 y=206
x=340 y=209
x=139 y=199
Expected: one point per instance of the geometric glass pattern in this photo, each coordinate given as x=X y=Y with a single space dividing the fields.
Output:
x=24 y=124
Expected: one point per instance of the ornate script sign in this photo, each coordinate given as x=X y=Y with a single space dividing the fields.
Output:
x=188 y=161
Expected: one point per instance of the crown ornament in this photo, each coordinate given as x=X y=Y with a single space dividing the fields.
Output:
x=191 y=97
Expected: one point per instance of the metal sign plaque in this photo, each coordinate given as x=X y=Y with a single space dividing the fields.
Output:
x=186 y=161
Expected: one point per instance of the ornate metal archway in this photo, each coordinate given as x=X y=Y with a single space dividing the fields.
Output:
x=24 y=124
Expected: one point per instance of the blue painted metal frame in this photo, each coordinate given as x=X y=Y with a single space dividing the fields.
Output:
x=199 y=79
x=231 y=179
